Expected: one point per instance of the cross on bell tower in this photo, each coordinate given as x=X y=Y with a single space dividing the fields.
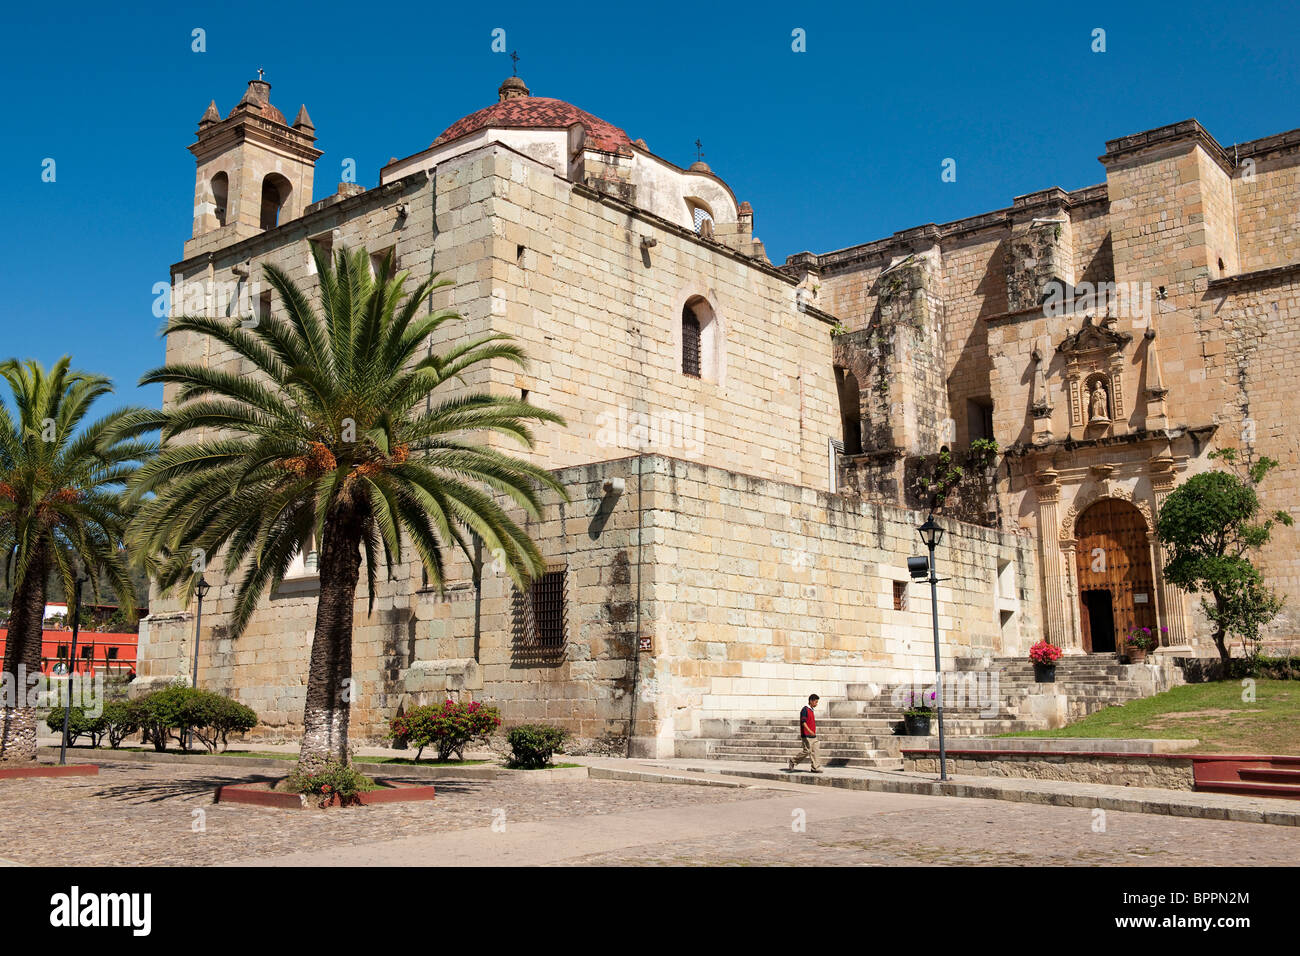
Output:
x=514 y=57
x=699 y=151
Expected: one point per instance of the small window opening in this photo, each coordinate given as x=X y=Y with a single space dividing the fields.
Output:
x=220 y=190
x=690 y=342
x=539 y=613
x=275 y=192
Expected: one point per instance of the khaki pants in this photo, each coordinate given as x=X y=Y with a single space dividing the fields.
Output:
x=809 y=753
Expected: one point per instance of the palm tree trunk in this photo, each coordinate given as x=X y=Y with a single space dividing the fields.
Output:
x=329 y=680
x=22 y=660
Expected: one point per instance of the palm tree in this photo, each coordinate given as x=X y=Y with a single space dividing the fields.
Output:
x=61 y=511
x=337 y=438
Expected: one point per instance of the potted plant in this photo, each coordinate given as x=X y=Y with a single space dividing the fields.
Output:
x=916 y=717
x=1044 y=656
x=1140 y=641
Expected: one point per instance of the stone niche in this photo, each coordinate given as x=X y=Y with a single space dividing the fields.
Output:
x=1094 y=383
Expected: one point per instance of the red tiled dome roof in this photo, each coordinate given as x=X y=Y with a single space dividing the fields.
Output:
x=257 y=100
x=539 y=112
x=267 y=111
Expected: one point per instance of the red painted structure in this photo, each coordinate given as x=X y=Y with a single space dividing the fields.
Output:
x=1246 y=775
x=97 y=651
x=1249 y=775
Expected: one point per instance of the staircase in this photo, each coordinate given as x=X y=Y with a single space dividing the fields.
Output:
x=843 y=743
x=1248 y=776
x=865 y=730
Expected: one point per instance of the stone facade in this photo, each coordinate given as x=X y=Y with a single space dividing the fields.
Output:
x=1118 y=334
x=718 y=556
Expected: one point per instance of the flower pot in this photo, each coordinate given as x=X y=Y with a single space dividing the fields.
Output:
x=1136 y=655
x=917 y=725
x=1044 y=673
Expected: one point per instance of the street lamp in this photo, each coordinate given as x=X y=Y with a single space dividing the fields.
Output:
x=923 y=569
x=201 y=589
x=72 y=671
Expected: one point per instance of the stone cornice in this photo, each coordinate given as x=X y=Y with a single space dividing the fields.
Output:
x=1276 y=275
x=682 y=232
x=882 y=250
x=243 y=126
x=1288 y=142
x=1188 y=131
x=1140 y=436
x=307 y=224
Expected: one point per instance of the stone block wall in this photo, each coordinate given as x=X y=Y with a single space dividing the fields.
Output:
x=1265 y=183
x=766 y=592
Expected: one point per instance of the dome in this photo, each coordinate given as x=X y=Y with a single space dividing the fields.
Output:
x=257 y=99
x=518 y=110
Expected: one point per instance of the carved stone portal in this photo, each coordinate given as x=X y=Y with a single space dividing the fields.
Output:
x=1094 y=362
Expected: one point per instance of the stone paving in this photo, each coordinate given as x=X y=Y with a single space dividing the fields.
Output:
x=142 y=815
x=133 y=814
x=971 y=833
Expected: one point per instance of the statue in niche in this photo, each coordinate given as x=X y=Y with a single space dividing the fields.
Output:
x=1100 y=404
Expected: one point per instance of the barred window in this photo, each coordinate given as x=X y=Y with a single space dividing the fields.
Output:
x=900 y=595
x=690 y=342
x=539 y=614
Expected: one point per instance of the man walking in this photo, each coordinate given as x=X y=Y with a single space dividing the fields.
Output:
x=808 y=737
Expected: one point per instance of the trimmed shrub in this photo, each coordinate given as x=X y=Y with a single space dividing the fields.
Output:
x=448 y=726
x=214 y=718
x=533 y=745
x=78 y=724
x=173 y=711
x=119 y=721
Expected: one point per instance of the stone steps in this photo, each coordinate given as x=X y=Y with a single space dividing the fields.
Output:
x=830 y=756
x=867 y=724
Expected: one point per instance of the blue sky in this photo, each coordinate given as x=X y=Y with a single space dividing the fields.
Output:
x=837 y=145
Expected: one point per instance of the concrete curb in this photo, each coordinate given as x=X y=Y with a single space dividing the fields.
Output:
x=650 y=776
x=481 y=771
x=544 y=775
x=1169 y=803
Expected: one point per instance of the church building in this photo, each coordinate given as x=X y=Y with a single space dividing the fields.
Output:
x=750 y=447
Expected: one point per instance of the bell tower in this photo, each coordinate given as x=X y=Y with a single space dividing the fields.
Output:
x=254 y=169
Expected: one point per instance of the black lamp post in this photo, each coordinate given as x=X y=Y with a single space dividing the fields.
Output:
x=931 y=534
x=72 y=670
x=201 y=589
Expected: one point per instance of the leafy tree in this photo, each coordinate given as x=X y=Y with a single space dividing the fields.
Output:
x=344 y=434
x=1209 y=524
x=61 y=511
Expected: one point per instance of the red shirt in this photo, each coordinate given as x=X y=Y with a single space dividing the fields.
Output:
x=807 y=716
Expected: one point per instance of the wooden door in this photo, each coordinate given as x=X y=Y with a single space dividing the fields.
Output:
x=1114 y=555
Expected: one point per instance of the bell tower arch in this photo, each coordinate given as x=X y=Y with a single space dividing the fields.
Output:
x=254 y=171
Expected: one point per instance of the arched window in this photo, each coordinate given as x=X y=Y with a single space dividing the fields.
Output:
x=275 y=193
x=701 y=218
x=701 y=341
x=690 y=342
x=220 y=189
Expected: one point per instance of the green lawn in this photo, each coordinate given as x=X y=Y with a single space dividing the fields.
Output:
x=1213 y=713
